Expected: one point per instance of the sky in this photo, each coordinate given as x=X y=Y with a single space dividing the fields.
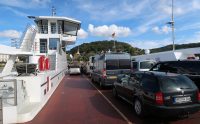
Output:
x=141 y=23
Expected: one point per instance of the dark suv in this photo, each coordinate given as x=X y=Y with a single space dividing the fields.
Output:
x=190 y=68
x=161 y=93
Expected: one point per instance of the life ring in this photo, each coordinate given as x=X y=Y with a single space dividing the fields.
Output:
x=41 y=63
x=47 y=65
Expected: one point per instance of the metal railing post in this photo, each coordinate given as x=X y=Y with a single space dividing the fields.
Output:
x=15 y=92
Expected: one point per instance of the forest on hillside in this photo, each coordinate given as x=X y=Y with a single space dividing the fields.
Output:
x=89 y=49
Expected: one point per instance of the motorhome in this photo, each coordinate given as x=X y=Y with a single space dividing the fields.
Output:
x=145 y=62
x=108 y=65
x=164 y=56
x=90 y=65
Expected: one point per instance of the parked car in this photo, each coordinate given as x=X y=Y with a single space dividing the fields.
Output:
x=190 y=68
x=160 y=93
x=74 y=70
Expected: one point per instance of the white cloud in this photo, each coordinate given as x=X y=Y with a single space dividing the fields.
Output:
x=164 y=29
x=149 y=44
x=10 y=34
x=196 y=4
x=82 y=34
x=107 y=31
x=112 y=10
x=25 y=3
x=156 y=29
x=190 y=26
x=17 y=12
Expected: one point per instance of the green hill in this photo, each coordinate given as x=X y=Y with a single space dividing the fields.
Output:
x=177 y=46
x=89 y=49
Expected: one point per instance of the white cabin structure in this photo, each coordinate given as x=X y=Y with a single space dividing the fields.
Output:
x=24 y=93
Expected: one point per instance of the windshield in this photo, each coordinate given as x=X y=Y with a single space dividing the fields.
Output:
x=146 y=64
x=176 y=83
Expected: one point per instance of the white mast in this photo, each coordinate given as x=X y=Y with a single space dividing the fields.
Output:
x=172 y=25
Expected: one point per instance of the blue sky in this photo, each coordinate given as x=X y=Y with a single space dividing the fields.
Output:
x=141 y=23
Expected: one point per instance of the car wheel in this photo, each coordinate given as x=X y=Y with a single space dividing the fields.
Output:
x=114 y=91
x=138 y=108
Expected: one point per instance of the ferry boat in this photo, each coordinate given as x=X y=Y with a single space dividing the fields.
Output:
x=25 y=92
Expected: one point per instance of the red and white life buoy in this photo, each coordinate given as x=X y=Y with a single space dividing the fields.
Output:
x=41 y=63
x=47 y=65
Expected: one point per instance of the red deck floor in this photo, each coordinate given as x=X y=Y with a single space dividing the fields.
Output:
x=75 y=101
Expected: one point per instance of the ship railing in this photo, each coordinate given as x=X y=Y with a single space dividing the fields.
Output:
x=28 y=42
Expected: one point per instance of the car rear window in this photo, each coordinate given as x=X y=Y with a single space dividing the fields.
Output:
x=112 y=64
x=146 y=64
x=150 y=83
x=74 y=66
x=124 y=64
x=176 y=83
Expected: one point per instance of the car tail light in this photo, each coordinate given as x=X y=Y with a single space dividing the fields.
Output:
x=198 y=96
x=104 y=73
x=159 y=98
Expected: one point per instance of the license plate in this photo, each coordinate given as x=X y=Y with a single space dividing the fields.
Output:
x=182 y=99
x=112 y=77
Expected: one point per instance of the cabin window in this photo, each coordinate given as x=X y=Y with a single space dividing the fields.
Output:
x=53 y=43
x=70 y=28
x=60 y=27
x=43 y=26
x=53 y=27
x=43 y=45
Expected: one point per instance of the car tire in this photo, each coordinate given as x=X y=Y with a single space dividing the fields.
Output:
x=101 y=84
x=114 y=91
x=138 y=108
x=92 y=79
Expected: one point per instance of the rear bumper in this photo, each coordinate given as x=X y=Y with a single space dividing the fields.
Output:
x=172 y=111
x=109 y=82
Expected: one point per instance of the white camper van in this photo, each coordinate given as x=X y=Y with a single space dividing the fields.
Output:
x=145 y=62
x=108 y=65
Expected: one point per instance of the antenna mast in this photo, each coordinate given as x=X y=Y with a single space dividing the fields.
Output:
x=53 y=9
x=172 y=23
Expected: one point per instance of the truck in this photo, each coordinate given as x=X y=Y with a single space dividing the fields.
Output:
x=108 y=65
